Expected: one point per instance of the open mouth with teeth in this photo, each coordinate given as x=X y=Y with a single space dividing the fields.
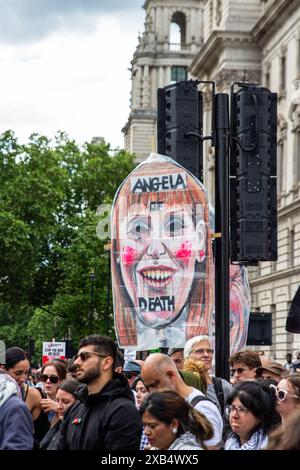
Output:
x=157 y=278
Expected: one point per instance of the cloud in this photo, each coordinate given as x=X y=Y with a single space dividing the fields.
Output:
x=71 y=80
x=32 y=20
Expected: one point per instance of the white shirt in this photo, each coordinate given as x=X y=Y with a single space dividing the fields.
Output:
x=211 y=412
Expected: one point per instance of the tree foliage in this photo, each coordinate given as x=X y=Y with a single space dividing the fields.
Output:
x=49 y=195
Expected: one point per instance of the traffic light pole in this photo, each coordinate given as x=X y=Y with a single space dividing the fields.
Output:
x=91 y=313
x=222 y=311
x=253 y=196
x=108 y=295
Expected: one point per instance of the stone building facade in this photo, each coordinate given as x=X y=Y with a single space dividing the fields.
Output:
x=226 y=41
x=157 y=61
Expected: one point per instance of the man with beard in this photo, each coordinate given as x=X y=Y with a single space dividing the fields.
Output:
x=105 y=417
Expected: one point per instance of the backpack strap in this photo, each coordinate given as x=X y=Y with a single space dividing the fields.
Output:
x=198 y=398
x=217 y=382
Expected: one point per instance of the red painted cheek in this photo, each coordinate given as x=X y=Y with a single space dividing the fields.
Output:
x=185 y=251
x=128 y=256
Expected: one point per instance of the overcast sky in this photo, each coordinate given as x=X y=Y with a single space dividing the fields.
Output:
x=64 y=66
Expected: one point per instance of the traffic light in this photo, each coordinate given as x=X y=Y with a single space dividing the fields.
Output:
x=179 y=125
x=253 y=194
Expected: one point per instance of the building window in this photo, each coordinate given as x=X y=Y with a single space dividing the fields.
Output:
x=178 y=74
x=178 y=32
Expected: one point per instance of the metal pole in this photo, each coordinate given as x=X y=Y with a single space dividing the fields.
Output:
x=92 y=279
x=108 y=296
x=222 y=235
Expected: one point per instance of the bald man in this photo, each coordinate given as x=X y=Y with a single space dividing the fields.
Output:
x=160 y=372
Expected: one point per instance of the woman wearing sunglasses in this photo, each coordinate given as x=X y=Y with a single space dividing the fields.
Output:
x=288 y=396
x=251 y=408
x=53 y=372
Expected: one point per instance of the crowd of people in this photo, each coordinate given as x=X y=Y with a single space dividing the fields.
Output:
x=169 y=401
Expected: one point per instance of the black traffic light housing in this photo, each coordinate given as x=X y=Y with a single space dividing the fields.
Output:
x=179 y=125
x=253 y=162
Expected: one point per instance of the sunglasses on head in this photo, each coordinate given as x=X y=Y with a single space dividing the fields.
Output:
x=53 y=378
x=84 y=355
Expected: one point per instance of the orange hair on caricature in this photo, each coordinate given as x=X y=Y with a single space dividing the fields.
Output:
x=199 y=302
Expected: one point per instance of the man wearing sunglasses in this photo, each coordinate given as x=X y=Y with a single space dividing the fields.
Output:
x=105 y=417
x=243 y=365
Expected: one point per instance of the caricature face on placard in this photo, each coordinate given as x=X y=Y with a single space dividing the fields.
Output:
x=159 y=246
x=161 y=256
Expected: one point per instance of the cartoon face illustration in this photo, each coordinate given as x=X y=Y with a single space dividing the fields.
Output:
x=159 y=248
x=161 y=252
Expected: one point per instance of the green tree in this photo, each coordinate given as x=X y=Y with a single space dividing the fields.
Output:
x=49 y=194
